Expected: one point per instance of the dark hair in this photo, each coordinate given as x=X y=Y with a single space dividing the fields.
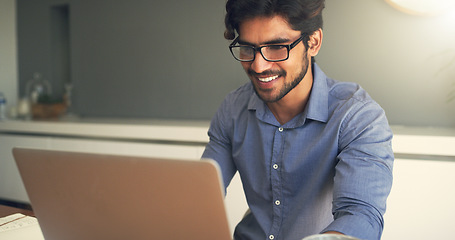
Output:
x=302 y=15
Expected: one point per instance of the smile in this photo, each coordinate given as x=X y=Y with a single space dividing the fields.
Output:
x=268 y=79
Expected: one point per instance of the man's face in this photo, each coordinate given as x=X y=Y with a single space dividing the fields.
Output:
x=273 y=80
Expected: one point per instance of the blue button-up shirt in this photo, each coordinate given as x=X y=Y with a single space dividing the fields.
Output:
x=328 y=169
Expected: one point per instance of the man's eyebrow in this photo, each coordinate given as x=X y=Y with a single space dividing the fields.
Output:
x=273 y=41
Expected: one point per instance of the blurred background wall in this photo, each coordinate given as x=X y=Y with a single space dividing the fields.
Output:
x=168 y=58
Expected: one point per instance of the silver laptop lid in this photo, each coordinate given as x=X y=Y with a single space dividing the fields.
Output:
x=95 y=196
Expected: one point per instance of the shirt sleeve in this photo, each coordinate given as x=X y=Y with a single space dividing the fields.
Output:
x=219 y=147
x=363 y=174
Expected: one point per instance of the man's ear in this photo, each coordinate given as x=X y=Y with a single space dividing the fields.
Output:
x=315 y=42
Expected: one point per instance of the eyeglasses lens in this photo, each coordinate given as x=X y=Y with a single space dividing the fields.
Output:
x=270 y=53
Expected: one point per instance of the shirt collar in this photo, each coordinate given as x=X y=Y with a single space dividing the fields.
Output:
x=318 y=103
x=263 y=112
x=316 y=109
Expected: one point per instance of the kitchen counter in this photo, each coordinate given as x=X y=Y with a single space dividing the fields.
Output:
x=436 y=143
x=425 y=141
x=135 y=129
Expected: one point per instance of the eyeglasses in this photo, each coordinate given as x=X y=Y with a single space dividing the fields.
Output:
x=271 y=53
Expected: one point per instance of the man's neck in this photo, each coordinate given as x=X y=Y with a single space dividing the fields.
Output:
x=294 y=102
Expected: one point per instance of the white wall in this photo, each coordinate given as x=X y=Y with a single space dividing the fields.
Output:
x=8 y=51
x=406 y=62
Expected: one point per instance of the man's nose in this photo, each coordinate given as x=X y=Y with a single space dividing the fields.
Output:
x=260 y=64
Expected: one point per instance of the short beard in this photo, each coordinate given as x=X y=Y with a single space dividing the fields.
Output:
x=288 y=86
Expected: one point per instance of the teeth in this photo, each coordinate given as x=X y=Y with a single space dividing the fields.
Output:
x=268 y=79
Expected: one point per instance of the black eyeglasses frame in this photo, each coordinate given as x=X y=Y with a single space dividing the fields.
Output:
x=259 y=49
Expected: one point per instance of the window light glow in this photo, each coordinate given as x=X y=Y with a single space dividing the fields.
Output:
x=423 y=7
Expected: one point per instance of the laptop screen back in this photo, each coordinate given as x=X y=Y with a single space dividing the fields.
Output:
x=95 y=196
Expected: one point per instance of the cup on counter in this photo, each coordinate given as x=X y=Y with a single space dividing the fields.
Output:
x=23 y=108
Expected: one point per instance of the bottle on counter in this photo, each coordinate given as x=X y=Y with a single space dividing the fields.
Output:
x=2 y=106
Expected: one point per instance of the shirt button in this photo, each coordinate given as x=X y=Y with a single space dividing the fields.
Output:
x=271 y=237
x=275 y=166
x=280 y=129
x=277 y=202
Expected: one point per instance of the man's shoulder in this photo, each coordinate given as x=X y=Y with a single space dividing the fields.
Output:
x=346 y=91
x=241 y=95
x=349 y=99
x=244 y=90
x=236 y=102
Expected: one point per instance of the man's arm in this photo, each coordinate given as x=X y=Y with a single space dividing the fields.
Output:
x=363 y=177
x=219 y=147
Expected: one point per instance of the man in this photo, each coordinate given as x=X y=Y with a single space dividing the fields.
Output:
x=314 y=154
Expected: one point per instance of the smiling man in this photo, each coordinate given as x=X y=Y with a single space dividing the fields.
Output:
x=314 y=154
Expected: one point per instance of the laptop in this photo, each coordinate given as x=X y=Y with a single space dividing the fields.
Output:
x=98 y=196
